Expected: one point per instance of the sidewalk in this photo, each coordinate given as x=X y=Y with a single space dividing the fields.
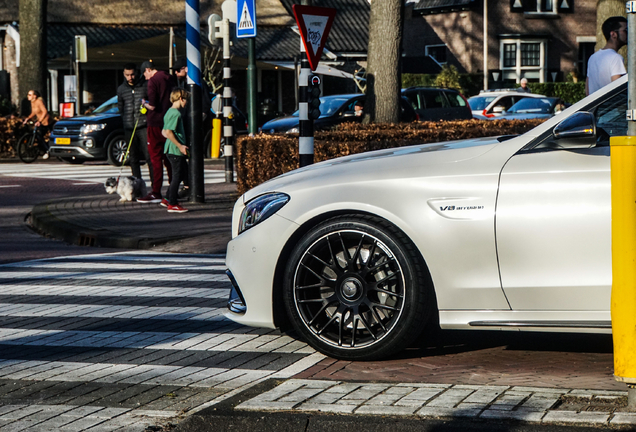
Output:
x=103 y=221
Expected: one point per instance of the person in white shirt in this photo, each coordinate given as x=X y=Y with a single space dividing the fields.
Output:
x=606 y=65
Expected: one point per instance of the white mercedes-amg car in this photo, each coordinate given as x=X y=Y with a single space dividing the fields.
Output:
x=359 y=254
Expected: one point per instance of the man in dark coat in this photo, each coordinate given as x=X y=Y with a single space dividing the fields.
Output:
x=129 y=99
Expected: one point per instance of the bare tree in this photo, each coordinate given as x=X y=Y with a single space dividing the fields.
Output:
x=213 y=68
x=33 y=70
x=386 y=24
x=604 y=10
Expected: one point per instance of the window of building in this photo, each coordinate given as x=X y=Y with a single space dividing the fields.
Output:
x=510 y=55
x=523 y=59
x=541 y=6
x=438 y=52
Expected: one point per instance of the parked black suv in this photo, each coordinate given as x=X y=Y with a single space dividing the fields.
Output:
x=432 y=104
x=98 y=136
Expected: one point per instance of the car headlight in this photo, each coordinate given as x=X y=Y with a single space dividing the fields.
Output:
x=260 y=208
x=293 y=130
x=88 y=128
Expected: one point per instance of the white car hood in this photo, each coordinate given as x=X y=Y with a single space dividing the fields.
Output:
x=378 y=164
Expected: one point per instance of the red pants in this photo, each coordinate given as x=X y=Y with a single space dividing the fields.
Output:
x=156 y=142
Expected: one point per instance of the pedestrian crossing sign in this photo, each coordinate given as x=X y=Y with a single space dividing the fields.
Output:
x=245 y=18
x=314 y=24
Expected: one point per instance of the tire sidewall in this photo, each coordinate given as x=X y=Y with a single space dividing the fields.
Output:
x=413 y=314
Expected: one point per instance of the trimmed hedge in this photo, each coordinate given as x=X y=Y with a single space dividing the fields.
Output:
x=263 y=157
x=10 y=130
x=569 y=92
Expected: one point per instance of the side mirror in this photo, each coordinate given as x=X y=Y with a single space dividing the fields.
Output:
x=576 y=132
x=579 y=125
x=498 y=109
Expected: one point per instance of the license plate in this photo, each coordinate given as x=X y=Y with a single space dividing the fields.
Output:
x=62 y=140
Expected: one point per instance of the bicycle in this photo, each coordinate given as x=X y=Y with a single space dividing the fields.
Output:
x=31 y=145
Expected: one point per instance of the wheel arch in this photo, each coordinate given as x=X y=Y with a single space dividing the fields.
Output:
x=280 y=317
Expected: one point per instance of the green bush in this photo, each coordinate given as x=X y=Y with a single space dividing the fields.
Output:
x=263 y=157
x=570 y=92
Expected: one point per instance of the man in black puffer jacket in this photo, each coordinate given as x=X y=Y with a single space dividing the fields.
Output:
x=130 y=96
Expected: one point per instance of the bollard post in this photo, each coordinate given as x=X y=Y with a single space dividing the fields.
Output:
x=623 y=305
x=216 y=138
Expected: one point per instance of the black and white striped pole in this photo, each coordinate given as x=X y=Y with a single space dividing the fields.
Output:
x=305 y=125
x=228 y=130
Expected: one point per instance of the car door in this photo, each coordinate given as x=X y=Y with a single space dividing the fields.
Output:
x=553 y=221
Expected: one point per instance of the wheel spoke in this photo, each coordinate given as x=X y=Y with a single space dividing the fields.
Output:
x=386 y=278
x=336 y=268
x=375 y=314
x=368 y=327
x=383 y=306
x=320 y=278
x=327 y=303
x=356 y=255
x=317 y=285
x=382 y=264
x=345 y=252
x=387 y=292
x=319 y=332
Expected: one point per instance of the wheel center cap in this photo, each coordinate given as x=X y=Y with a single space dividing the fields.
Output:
x=351 y=288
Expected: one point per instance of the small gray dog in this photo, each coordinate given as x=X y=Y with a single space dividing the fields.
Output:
x=128 y=188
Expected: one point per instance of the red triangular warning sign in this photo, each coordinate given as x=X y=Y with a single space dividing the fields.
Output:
x=314 y=24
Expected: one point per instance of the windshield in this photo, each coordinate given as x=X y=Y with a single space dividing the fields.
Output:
x=532 y=105
x=479 y=103
x=110 y=106
x=328 y=106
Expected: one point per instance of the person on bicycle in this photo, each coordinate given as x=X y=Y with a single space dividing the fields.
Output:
x=40 y=113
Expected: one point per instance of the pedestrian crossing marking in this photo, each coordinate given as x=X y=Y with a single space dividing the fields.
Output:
x=246 y=22
x=87 y=174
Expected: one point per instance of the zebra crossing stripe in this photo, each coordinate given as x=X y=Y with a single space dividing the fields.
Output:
x=181 y=277
x=87 y=174
x=111 y=291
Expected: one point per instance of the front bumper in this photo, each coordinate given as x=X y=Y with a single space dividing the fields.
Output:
x=251 y=259
x=83 y=147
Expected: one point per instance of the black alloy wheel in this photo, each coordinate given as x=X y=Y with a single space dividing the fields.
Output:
x=356 y=289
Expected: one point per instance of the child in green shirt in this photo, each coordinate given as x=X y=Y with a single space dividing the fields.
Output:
x=175 y=148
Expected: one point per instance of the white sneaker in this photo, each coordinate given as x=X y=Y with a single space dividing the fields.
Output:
x=45 y=155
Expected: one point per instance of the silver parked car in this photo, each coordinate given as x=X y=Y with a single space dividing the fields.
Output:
x=359 y=254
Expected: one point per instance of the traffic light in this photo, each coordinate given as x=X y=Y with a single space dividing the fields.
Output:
x=313 y=97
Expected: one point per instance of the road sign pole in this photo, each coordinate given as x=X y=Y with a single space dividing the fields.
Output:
x=193 y=53
x=228 y=130
x=623 y=181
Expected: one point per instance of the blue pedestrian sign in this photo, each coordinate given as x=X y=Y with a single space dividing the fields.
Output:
x=245 y=18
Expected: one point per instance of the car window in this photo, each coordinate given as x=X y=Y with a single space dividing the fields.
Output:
x=532 y=105
x=412 y=98
x=434 y=99
x=610 y=118
x=455 y=100
x=479 y=103
x=110 y=106
x=505 y=102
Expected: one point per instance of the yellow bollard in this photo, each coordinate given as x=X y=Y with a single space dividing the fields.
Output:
x=623 y=175
x=216 y=138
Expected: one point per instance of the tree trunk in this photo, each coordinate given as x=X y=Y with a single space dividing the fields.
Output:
x=386 y=24
x=32 y=71
x=604 y=10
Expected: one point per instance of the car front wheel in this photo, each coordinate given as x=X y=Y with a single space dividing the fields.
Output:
x=117 y=151
x=357 y=289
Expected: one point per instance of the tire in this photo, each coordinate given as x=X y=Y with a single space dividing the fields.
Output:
x=28 y=148
x=356 y=288
x=72 y=160
x=117 y=150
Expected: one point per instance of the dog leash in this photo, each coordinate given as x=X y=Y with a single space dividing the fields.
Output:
x=142 y=110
